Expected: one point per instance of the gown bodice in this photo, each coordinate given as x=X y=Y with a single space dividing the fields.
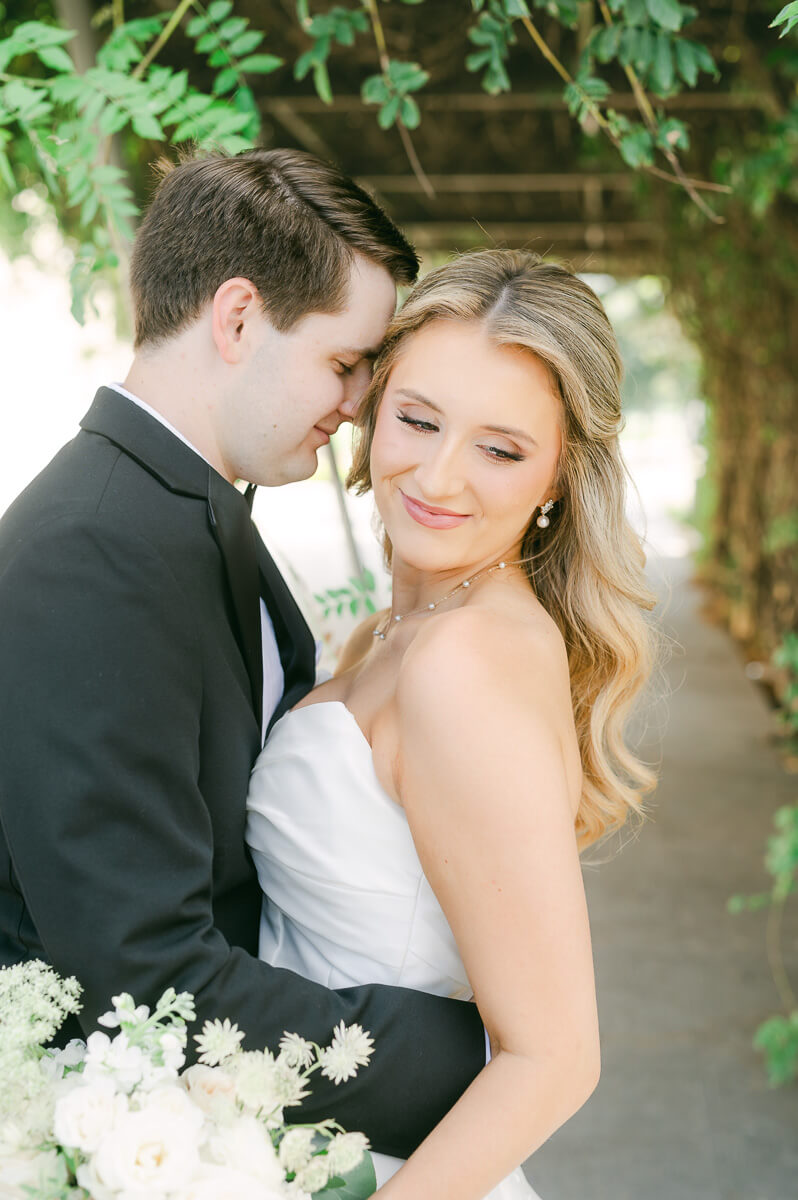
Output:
x=346 y=901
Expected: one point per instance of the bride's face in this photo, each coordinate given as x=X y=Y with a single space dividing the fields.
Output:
x=465 y=448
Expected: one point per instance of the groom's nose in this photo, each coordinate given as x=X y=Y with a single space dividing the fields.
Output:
x=348 y=407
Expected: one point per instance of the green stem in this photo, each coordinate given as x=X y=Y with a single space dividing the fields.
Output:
x=404 y=133
x=679 y=178
x=163 y=38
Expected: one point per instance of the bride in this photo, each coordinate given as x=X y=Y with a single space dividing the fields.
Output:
x=418 y=818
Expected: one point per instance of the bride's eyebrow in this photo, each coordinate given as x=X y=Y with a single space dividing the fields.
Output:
x=412 y=394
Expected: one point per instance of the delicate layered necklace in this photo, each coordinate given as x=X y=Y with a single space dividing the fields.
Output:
x=428 y=608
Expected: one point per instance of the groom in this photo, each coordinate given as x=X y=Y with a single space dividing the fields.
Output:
x=147 y=640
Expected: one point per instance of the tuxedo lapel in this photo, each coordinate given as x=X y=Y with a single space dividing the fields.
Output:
x=294 y=639
x=186 y=473
x=232 y=527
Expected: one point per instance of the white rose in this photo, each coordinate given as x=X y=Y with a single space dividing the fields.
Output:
x=23 y=1169
x=246 y=1141
x=175 y=1105
x=85 y=1114
x=147 y=1151
x=210 y=1088
x=212 y=1182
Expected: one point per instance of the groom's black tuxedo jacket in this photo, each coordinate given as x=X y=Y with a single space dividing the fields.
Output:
x=130 y=695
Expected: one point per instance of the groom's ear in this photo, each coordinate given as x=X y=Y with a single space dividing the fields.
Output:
x=235 y=304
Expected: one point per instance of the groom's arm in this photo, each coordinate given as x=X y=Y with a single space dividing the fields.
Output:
x=111 y=841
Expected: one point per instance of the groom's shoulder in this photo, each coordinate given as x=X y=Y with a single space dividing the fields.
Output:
x=92 y=486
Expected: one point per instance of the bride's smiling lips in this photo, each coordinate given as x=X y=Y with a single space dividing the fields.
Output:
x=433 y=518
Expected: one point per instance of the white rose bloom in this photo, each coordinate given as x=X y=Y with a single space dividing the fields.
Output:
x=213 y=1182
x=246 y=1141
x=85 y=1114
x=148 y=1151
x=175 y=1105
x=24 y=1169
x=211 y=1089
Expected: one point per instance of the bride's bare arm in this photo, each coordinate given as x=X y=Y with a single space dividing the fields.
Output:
x=483 y=713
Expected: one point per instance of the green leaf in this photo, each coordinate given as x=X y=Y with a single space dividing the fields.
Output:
x=112 y=119
x=247 y=42
x=788 y=17
x=605 y=44
x=303 y=64
x=409 y=113
x=374 y=90
x=686 y=62
x=225 y=81
x=146 y=126
x=56 y=58
x=261 y=64
x=389 y=112
x=666 y=13
x=356 y=1185
x=637 y=148
x=321 y=82
x=220 y=57
x=208 y=41
x=496 y=79
x=66 y=88
x=232 y=28
x=705 y=60
x=662 y=73
x=516 y=8
x=477 y=60
x=634 y=12
x=197 y=25
x=6 y=173
x=219 y=9
x=672 y=135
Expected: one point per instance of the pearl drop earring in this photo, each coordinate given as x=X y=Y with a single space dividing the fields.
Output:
x=543 y=521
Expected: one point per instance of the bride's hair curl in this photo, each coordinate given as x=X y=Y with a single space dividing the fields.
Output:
x=586 y=568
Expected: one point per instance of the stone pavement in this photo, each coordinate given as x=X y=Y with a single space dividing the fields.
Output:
x=683 y=1110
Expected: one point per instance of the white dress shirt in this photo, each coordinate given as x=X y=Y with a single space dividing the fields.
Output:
x=273 y=677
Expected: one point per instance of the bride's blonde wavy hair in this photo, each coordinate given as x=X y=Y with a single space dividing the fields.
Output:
x=586 y=568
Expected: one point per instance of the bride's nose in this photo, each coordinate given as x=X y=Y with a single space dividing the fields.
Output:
x=440 y=473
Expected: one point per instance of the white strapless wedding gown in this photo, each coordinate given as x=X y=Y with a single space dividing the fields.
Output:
x=348 y=902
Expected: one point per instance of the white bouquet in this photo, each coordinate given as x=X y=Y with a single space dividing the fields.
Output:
x=117 y=1118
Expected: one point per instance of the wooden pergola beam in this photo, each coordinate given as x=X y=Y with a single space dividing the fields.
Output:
x=527 y=101
x=575 y=182
x=445 y=234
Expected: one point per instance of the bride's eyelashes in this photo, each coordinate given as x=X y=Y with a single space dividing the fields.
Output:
x=496 y=453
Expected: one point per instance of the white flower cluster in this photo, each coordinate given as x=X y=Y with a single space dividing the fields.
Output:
x=34 y=1001
x=120 y=1119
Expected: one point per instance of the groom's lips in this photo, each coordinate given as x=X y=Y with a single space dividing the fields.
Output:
x=432 y=518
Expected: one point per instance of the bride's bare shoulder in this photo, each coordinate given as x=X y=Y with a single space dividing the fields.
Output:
x=515 y=651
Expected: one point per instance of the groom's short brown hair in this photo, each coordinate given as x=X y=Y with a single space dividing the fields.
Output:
x=283 y=219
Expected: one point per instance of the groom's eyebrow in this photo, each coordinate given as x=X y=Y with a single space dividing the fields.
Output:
x=370 y=352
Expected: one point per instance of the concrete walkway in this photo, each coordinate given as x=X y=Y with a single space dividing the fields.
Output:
x=683 y=1110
